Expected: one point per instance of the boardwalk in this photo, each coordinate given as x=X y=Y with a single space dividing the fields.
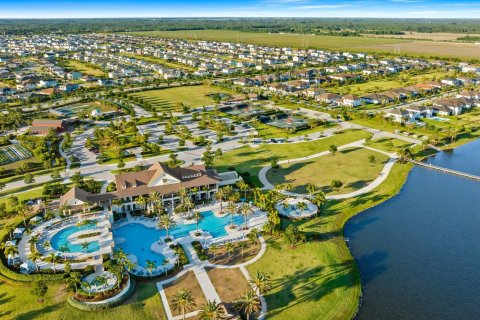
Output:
x=446 y=170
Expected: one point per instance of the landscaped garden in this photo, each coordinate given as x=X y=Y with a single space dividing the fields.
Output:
x=13 y=153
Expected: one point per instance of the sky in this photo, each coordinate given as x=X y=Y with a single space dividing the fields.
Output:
x=240 y=8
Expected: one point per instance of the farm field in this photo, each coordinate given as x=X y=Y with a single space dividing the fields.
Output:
x=167 y=99
x=84 y=68
x=434 y=36
x=13 y=153
x=351 y=166
x=368 y=44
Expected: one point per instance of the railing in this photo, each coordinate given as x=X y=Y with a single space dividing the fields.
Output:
x=446 y=170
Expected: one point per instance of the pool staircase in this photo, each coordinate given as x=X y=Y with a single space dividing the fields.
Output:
x=445 y=170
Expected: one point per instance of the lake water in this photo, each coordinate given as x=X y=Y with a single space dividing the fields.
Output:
x=419 y=252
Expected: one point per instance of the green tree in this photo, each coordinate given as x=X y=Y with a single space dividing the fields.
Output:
x=183 y=301
x=249 y=303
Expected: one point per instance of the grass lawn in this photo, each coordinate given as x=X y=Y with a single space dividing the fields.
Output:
x=269 y=132
x=190 y=283
x=230 y=284
x=18 y=303
x=84 y=68
x=389 y=144
x=220 y=255
x=385 y=84
x=320 y=277
x=351 y=166
x=251 y=160
x=166 y=99
x=168 y=64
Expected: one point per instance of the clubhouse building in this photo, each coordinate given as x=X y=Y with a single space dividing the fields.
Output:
x=199 y=183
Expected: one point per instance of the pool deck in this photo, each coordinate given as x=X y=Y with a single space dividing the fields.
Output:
x=105 y=240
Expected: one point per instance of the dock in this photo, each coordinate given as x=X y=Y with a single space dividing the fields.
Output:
x=446 y=170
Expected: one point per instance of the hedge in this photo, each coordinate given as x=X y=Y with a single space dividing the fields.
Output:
x=102 y=306
x=201 y=253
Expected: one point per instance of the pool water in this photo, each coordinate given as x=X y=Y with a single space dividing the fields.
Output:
x=139 y=238
x=61 y=238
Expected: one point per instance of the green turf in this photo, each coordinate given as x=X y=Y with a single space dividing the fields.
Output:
x=18 y=303
x=351 y=166
x=318 y=279
x=167 y=99
x=252 y=159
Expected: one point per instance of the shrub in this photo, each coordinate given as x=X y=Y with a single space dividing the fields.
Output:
x=201 y=252
x=102 y=306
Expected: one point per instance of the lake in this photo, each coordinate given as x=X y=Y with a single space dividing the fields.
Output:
x=419 y=252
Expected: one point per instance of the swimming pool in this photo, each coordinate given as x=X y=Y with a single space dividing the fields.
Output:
x=139 y=238
x=61 y=238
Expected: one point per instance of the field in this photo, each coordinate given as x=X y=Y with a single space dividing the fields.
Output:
x=84 y=68
x=368 y=44
x=251 y=160
x=190 y=283
x=351 y=166
x=229 y=283
x=13 y=153
x=434 y=36
x=166 y=99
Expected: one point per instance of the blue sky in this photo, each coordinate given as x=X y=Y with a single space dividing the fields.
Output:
x=240 y=8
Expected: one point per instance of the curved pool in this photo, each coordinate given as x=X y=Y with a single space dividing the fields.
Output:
x=136 y=239
x=60 y=239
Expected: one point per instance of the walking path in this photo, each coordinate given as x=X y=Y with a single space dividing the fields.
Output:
x=198 y=266
x=262 y=175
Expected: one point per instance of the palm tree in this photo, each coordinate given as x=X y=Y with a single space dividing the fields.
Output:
x=10 y=250
x=261 y=282
x=164 y=264
x=166 y=222
x=74 y=280
x=243 y=245
x=154 y=198
x=197 y=216
x=46 y=244
x=213 y=247
x=101 y=281
x=319 y=199
x=34 y=257
x=243 y=186
x=150 y=266
x=231 y=208
x=53 y=259
x=311 y=188
x=142 y=202
x=249 y=303
x=182 y=301
x=220 y=195
x=230 y=248
x=246 y=210
x=63 y=249
x=85 y=246
x=211 y=311
x=88 y=286
x=33 y=240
